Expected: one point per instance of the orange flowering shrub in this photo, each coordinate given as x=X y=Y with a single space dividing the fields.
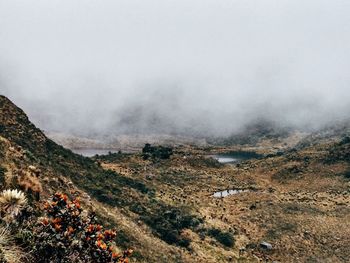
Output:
x=65 y=235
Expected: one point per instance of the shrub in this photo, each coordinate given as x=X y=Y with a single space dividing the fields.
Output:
x=225 y=238
x=347 y=174
x=339 y=152
x=2 y=175
x=29 y=182
x=66 y=235
x=169 y=222
x=345 y=140
x=156 y=152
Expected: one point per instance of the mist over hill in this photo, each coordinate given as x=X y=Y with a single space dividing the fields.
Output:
x=181 y=204
x=176 y=67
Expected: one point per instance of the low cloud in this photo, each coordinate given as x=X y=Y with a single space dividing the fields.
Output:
x=180 y=67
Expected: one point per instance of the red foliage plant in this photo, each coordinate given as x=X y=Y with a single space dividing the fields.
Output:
x=66 y=234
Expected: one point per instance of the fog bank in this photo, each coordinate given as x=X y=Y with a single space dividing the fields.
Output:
x=197 y=67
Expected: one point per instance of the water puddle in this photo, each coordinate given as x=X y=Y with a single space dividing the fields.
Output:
x=235 y=157
x=224 y=159
x=225 y=193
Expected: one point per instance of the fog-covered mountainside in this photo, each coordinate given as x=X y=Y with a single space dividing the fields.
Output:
x=284 y=197
x=187 y=68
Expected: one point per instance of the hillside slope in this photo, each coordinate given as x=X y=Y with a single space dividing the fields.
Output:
x=28 y=157
x=290 y=205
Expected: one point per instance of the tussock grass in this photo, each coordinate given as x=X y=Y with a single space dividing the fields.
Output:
x=9 y=252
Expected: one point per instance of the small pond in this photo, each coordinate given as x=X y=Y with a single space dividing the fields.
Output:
x=235 y=157
x=225 y=193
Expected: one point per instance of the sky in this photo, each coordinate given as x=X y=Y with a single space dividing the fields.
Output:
x=201 y=67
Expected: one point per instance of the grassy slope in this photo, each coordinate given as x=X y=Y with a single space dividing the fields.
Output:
x=107 y=189
x=301 y=202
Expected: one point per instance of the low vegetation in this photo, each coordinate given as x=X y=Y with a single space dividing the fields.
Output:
x=225 y=238
x=66 y=234
x=63 y=233
x=156 y=152
x=9 y=251
x=161 y=202
x=339 y=152
x=2 y=175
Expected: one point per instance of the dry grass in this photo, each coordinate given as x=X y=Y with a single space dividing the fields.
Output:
x=301 y=216
x=9 y=252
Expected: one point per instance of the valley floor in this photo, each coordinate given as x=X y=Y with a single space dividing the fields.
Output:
x=295 y=202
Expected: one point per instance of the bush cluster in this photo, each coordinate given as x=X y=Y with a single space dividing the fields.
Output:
x=339 y=152
x=225 y=238
x=169 y=223
x=156 y=152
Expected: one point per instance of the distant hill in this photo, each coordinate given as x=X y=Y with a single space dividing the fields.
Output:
x=254 y=133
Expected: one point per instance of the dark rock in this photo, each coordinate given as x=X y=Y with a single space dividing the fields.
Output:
x=252 y=207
